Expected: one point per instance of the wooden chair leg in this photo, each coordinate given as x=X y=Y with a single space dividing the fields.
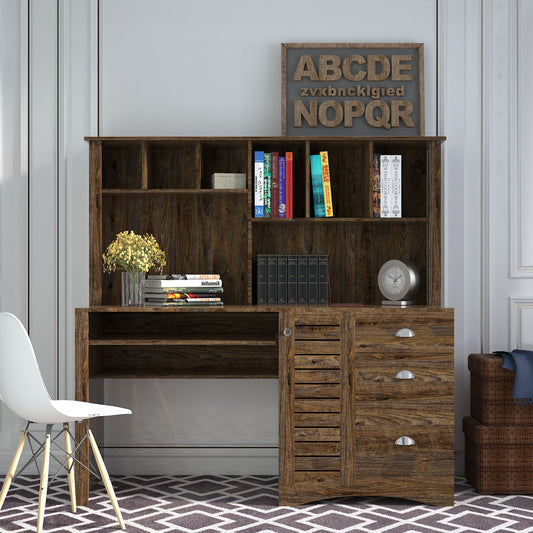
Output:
x=12 y=468
x=43 y=489
x=70 y=467
x=105 y=478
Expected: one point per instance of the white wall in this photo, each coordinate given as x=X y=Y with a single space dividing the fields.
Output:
x=213 y=68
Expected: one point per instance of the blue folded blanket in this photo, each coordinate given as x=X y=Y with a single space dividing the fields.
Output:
x=520 y=362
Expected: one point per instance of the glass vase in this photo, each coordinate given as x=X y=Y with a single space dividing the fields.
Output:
x=132 y=288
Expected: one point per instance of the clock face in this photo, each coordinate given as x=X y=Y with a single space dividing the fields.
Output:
x=397 y=280
x=394 y=280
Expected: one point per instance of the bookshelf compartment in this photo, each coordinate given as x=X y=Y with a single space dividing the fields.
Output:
x=190 y=246
x=172 y=165
x=223 y=156
x=355 y=251
x=349 y=164
x=122 y=165
x=300 y=166
x=414 y=175
x=184 y=361
x=187 y=327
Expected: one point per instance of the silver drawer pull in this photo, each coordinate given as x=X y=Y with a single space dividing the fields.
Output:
x=287 y=332
x=404 y=441
x=404 y=374
x=405 y=332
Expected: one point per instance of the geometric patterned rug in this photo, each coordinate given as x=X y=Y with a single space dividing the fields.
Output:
x=248 y=504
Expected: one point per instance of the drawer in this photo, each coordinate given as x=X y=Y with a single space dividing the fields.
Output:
x=394 y=414
x=385 y=441
x=397 y=378
x=423 y=469
x=382 y=332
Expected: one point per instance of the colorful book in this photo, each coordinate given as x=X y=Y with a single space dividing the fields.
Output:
x=181 y=295
x=376 y=187
x=318 y=189
x=183 y=284
x=182 y=304
x=186 y=299
x=274 y=185
x=288 y=184
x=259 y=166
x=281 y=187
x=326 y=184
x=183 y=276
x=391 y=186
x=267 y=185
x=169 y=290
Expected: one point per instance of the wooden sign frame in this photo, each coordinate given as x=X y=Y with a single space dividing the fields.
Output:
x=366 y=89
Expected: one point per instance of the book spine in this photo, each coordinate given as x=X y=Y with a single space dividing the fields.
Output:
x=261 y=279
x=175 y=290
x=267 y=179
x=282 y=279
x=318 y=190
x=281 y=203
x=186 y=299
x=302 y=296
x=176 y=296
x=259 y=208
x=288 y=183
x=326 y=184
x=376 y=187
x=391 y=186
x=323 y=280
x=312 y=279
x=292 y=279
x=272 y=279
x=274 y=185
x=396 y=186
x=184 y=284
x=182 y=276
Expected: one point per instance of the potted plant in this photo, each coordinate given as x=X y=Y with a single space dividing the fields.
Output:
x=134 y=255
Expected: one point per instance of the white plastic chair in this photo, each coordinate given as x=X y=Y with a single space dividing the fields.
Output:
x=23 y=390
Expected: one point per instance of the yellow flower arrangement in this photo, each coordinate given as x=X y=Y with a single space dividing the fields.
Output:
x=134 y=253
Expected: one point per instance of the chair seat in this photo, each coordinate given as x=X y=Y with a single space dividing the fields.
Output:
x=73 y=411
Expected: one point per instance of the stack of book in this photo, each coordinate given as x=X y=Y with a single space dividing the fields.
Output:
x=387 y=186
x=183 y=290
x=292 y=279
x=273 y=176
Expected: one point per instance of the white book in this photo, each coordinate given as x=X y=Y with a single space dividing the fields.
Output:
x=391 y=186
x=259 y=166
x=183 y=283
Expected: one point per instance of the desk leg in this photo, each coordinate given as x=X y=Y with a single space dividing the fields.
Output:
x=82 y=395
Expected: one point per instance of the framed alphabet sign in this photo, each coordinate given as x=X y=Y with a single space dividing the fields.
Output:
x=352 y=89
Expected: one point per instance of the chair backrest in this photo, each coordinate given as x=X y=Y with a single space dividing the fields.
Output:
x=21 y=384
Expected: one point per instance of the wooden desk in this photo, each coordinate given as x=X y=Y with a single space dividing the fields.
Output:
x=342 y=406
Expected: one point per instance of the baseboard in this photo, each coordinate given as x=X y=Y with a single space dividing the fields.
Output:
x=190 y=461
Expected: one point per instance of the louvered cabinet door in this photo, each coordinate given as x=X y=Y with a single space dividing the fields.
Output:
x=312 y=371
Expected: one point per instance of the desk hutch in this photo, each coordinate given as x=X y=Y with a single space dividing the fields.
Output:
x=351 y=422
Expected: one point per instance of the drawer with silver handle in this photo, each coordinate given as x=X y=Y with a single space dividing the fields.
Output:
x=402 y=378
x=407 y=332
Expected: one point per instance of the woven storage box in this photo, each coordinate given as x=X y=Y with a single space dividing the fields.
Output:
x=491 y=393
x=498 y=459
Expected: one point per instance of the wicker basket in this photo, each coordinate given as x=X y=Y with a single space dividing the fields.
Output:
x=498 y=459
x=491 y=393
